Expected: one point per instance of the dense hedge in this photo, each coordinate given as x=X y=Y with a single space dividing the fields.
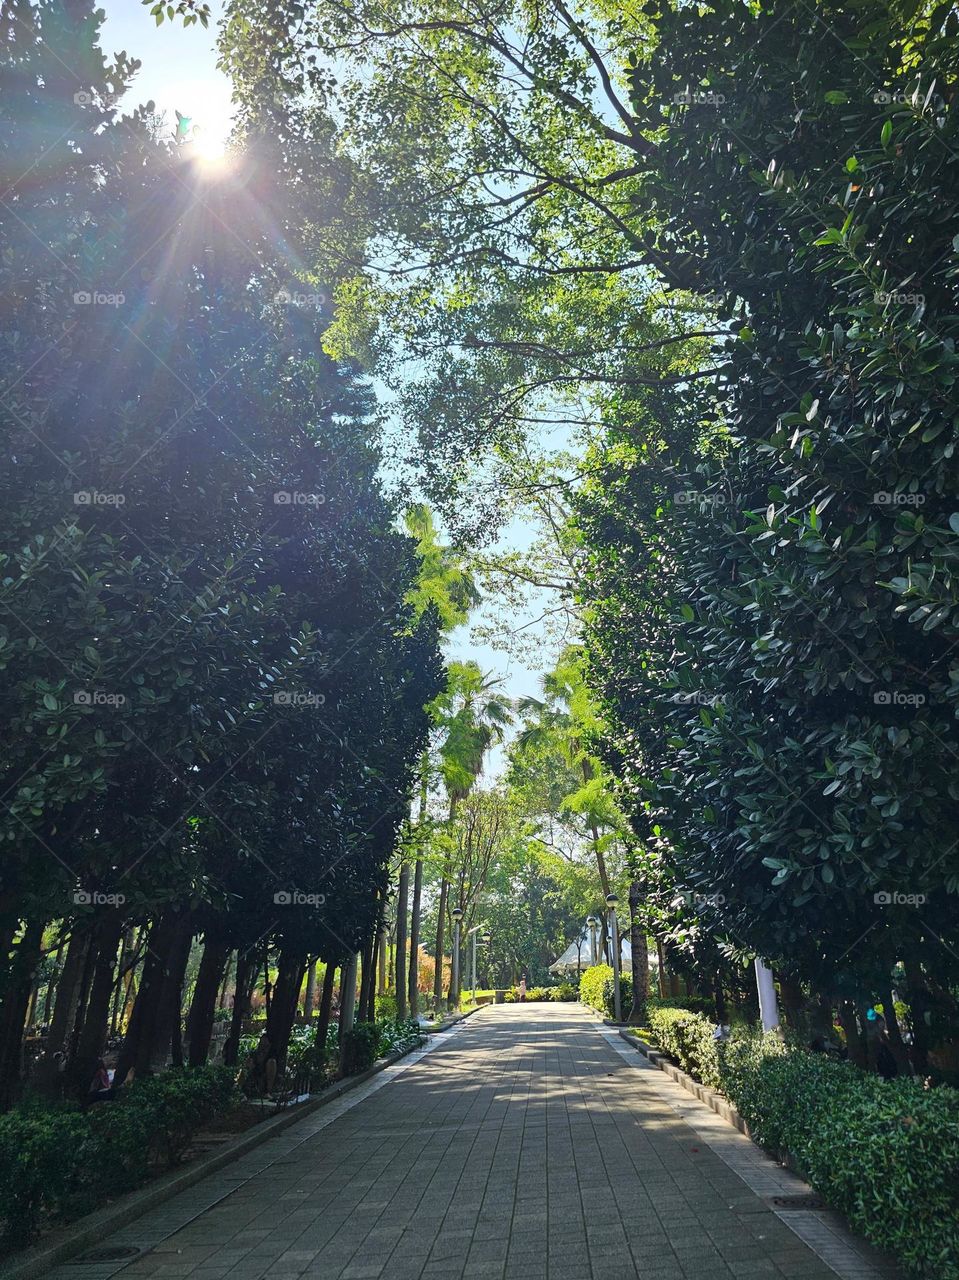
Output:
x=564 y=992
x=596 y=990
x=687 y=1037
x=58 y=1162
x=694 y=1004
x=884 y=1152
x=593 y=986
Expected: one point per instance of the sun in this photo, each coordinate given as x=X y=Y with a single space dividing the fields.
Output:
x=200 y=113
x=210 y=148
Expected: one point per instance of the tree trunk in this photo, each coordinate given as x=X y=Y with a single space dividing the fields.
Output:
x=440 y=929
x=374 y=969
x=640 y=963
x=223 y=998
x=119 y=985
x=855 y=1043
x=83 y=995
x=267 y=985
x=919 y=1003
x=402 y=978
x=199 y=1023
x=52 y=986
x=13 y=1011
x=140 y=1039
x=92 y=1036
x=279 y=1022
x=68 y=990
x=660 y=955
x=897 y=1046
x=792 y=1000
x=413 y=988
x=326 y=1005
x=368 y=984
x=347 y=999
x=169 y=1027
x=245 y=978
x=309 y=998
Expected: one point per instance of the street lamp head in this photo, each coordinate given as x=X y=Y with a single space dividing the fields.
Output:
x=612 y=899
x=487 y=938
x=592 y=921
x=457 y=913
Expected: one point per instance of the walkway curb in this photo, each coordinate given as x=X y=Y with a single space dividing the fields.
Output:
x=715 y=1101
x=64 y=1243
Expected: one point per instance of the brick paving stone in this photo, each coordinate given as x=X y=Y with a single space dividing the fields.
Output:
x=524 y=1146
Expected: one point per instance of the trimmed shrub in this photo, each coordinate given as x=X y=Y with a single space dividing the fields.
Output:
x=884 y=1152
x=58 y=1162
x=596 y=990
x=360 y=1048
x=534 y=995
x=565 y=992
x=705 y=1005
x=688 y=1038
x=625 y=995
x=40 y=1155
x=591 y=985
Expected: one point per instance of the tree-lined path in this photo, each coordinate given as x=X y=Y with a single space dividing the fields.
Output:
x=523 y=1145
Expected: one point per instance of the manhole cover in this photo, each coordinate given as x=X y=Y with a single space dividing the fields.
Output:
x=110 y=1253
x=797 y=1202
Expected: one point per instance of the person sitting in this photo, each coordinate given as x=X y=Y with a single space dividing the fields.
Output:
x=101 y=1086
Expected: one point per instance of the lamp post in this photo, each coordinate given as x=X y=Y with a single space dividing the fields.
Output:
x=592 y=924
x=611 y=900
x=457 y=914
x=472 y=934
x=486 y=939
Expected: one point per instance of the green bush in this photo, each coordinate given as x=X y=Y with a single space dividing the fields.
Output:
x=304 y=1054
x=40 y=1150
x=591 y=985
x=565 y=992
x=688 y=1038
x=695 y=1004
x=625 y=995
x=534 y=995
x=596 y=990
x=386 y=1007
x=884 y=1152
x=397 y=1033
x=57 y=1162
x=360 y=1048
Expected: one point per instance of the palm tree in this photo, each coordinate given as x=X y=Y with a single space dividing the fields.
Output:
x=444 y=583
x=473 y=717
x=566 y=719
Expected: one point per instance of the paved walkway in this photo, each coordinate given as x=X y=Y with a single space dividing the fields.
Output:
x=522 y=1145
